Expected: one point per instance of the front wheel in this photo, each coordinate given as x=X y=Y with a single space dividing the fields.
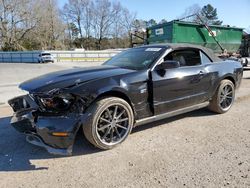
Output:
x=223 y=98
x=110 y=123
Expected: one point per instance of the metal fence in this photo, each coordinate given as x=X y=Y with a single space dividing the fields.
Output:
x=59 y=56
x=19 y=57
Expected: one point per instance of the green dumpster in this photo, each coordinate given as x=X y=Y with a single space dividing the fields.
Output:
x=187 y=32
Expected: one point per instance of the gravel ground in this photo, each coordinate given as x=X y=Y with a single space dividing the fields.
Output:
x=197 y=149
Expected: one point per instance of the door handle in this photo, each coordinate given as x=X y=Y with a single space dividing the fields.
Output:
x=201 y=73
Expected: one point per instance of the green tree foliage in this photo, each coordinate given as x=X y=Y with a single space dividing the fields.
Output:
x=163 y=21
x=74 y=30
x=151 y=23
x=209 y=15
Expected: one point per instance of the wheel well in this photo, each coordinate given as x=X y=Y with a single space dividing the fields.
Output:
x=116 y=94
x=113 y=94
x=230 y=78
x=226 y=78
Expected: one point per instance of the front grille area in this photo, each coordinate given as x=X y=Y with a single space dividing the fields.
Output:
x=23 y=119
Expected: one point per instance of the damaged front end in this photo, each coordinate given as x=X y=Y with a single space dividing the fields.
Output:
x=48 y=120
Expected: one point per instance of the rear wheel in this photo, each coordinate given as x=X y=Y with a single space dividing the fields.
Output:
x=223 y=98
x=111 y=122
x=243 y=62
x=246 y=62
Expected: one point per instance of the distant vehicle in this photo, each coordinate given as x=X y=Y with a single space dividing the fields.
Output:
x=137 y=86
x=45 y=57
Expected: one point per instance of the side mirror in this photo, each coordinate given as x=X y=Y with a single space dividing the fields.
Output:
x=169 y=64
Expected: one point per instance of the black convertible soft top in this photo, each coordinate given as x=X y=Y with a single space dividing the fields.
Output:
x=179 y=46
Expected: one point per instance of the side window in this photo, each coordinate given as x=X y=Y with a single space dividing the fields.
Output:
x=185 y=57
x=204 y=58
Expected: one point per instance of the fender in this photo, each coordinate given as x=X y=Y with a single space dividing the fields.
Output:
x=134 y=91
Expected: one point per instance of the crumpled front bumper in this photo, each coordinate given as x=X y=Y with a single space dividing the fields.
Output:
x=39 y=129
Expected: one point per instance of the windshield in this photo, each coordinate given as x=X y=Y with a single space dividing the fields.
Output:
x=136 y=58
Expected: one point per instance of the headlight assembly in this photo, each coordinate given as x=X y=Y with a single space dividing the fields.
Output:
x=59 y=102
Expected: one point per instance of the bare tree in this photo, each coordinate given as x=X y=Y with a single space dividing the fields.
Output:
x=191 y=10
x=139 y=25
x=128 y=20
x=87 y=8
x=99 y=19
x=38 y=24
x=103 y=19
x=80 y=13
x=117 y=29
x=16 y=21
x=73 y=10
x=50 y=29
x=248 y=30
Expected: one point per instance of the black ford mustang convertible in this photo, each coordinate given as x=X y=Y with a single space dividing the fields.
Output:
x=137 y=86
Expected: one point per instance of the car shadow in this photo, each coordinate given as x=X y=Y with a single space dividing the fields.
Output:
x=16 y=154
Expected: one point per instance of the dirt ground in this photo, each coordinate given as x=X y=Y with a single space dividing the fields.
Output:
x=197 y=149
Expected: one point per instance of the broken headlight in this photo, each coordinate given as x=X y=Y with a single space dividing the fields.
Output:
x=60 y=102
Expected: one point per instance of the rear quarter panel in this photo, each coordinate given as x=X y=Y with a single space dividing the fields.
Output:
x=224 y=70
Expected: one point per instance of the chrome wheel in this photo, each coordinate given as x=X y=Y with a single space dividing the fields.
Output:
x=226 y=97
x=111 y=119
x=223 y=98
x=113 y=124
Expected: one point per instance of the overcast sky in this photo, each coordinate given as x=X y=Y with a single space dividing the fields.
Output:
x=232 y=12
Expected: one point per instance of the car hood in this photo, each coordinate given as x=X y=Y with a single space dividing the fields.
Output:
x=71 y=77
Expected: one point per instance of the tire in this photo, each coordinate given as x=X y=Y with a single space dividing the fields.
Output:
x=110 y=124
x=246 y=64
x=243 y=62
x=223 y=98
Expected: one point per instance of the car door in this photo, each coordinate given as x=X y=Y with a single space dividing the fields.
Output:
x=180 y=87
